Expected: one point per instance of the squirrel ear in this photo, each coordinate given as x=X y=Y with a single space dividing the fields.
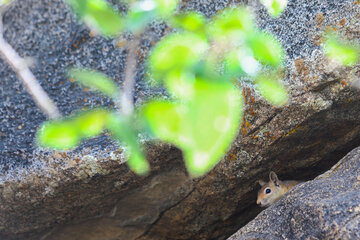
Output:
x=273 y=178
x=261 y=182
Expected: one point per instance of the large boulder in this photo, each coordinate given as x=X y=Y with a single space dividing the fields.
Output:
x=327 y=207
x=89 y=193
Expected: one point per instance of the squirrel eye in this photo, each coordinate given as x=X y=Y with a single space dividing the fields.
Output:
x=268 y=190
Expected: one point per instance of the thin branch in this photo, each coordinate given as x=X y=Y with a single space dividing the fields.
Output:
x=21 y=69
x=127 y=102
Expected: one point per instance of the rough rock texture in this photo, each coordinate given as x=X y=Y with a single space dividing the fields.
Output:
x=89 y=193
x=327 y=207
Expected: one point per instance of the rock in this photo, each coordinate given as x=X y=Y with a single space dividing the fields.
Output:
x=90 y=191
x=327 y=207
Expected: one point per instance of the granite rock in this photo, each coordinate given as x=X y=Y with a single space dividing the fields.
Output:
x=90 y=192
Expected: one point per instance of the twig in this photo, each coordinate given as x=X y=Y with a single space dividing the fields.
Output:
x=21 y=69
x=127 y=102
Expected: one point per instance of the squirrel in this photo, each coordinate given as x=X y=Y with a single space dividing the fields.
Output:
x=273 y=190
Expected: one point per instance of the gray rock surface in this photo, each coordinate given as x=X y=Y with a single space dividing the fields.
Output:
x=327 y=207
x=89 y=192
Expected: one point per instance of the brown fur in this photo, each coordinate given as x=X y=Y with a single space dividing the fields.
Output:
x=277 y=190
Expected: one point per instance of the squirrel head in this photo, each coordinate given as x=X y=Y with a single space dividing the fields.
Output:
x=270 y=191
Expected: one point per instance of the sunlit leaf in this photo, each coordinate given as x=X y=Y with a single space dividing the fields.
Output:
x=137 y=162
x=165 y=119
x=271 y=89
x=214 y=117
x=166 y=7
x=124 y=132
x=341 y=50
x=241 y=62
x=3 y=2
x=266 y=49
x=61 y=134
x=99 y=15
x=176 y=52
x=140 y=14
x=138 y=20
x=203 y=127
x=191 y=21
x=232 y=23
x=274 y=7
x=92 y=123
x=180 y=84
x=95 y=80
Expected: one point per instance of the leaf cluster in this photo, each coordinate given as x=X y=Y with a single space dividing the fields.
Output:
x=197 y=65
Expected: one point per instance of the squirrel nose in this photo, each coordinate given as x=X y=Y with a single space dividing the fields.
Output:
x=258 y=202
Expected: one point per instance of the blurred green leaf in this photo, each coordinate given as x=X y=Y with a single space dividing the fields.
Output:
x=137 y=162
x=266 y=49
x=123 y=131
x=274 y=7
x=233 y=23
x=190 y=21
x=99 y=15
x=241 y=62
x=214 y=116
x=180 y=84
x=67 y=133
x=166 y=7
x=341 y=50
x=203 y=127
x=271 y=89
x=176 y=52
x=3 y=2
x=142 y=12
x=137 y=20
x=60 y=134
x=95 y=80
x=165 y=119
x=91 y=123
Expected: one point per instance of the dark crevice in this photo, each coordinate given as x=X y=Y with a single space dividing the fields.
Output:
x=268 y=120
x=163 y=212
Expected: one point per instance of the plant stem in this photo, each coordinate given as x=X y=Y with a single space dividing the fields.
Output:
x=23 y=72
x=127 y=102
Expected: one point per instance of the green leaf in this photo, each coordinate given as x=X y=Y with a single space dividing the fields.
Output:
x=233 y=23
x=99 y=15
x=166 y=7
x=61 y=134
x=342 y=51
x=274 y=7
x=91 y=123
x=165 y=119
x=203 y=126
x=214 y=116
x=4 y=2
x=176 y=52
x=241 y=62
x=140 y=14
x=271 y=89
x=266 y=49
x=191 y=21
x=137 y=20
x=137 y=162
x=180 y=84
x=125 y=132
x=95 y=80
